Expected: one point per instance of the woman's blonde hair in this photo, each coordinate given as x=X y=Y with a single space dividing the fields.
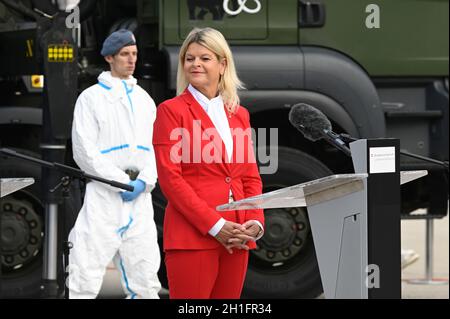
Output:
x=214 y=41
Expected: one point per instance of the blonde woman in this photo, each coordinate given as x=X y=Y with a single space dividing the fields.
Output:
x=204 y=158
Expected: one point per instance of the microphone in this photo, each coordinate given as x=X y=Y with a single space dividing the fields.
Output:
x=314 y=126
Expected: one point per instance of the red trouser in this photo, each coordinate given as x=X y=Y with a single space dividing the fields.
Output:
x=204 y=274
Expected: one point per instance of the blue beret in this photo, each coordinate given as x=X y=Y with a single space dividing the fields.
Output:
x=116 y=41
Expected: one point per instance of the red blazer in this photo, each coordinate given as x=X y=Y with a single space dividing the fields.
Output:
x=194 y=187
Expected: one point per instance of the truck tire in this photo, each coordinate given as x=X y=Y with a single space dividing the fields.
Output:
x=285 y=265
x=22 y=231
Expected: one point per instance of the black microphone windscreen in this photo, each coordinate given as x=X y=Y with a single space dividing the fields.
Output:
x=309 y=121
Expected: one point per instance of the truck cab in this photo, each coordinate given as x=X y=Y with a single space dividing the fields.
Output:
x=375 y=70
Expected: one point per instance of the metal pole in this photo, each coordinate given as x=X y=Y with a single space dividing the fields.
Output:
x=50 y=269
x=51 y=242
x=429 y=259
x=429 y=254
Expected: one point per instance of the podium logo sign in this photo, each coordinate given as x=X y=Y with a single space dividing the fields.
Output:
x=381 y=160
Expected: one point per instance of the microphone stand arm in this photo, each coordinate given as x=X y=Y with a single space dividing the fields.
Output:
x=426 y=159
x=73 y=172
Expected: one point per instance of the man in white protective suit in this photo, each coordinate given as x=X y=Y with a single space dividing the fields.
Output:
x=112 y=138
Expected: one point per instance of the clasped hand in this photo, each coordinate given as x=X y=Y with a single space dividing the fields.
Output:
x=234 y=235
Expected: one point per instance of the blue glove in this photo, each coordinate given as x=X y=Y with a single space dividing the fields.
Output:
x=139 y=187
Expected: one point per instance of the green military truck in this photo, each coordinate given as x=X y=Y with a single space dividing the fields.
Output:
x=376 y=68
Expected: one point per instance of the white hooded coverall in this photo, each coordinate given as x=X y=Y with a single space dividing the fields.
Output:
x=112 y=131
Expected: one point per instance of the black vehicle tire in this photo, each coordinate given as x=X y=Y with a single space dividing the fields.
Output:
x=24 y=281
x=292 y=270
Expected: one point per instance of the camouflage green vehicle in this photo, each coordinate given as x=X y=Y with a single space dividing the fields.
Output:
x=375 y=68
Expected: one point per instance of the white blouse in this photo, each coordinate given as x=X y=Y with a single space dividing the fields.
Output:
x=216 y=112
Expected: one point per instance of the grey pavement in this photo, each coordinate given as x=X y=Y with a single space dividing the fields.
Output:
x=413 y=237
